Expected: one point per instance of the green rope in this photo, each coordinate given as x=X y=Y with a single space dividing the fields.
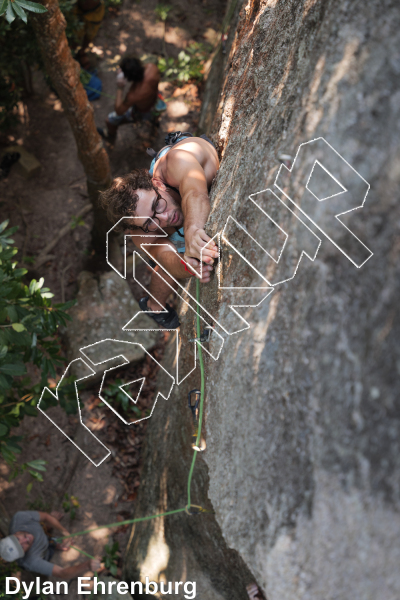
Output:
x=200 y=354
x=120 y=523
x=198 y=439
x=82 y=551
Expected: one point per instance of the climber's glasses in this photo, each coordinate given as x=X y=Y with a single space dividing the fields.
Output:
x=159 y=206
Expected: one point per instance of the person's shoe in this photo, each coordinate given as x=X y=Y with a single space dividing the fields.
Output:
x=168 y=320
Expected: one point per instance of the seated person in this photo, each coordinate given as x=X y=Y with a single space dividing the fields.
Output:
x=141 y=98
x=173 y=196
x=91 y=13
x=31 y=548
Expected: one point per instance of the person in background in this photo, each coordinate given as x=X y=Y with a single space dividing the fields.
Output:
x=32 y=549
x=91 y=13
x=141 y=98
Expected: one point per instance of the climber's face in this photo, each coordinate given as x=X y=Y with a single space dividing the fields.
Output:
x=157 y=208
x=25 y=539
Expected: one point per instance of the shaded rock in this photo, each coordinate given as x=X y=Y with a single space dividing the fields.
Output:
x=104 y=305
x=27 y=165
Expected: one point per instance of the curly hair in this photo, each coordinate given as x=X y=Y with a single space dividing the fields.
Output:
x=120 y=200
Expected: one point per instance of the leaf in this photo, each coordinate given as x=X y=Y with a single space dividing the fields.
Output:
x=4 y=224
x=32 y=286
x=36 y=475
x=10 y=16
x=30 y=410
x=20 y=11
x=8 y=455
x=37 y=464
x=5 y=384
x=3 y=8
x=12 y=313
x=32 y=6
x=18 y=327
x=29 y=487
x=11 y=445
x=15 y=370
x=3 y=429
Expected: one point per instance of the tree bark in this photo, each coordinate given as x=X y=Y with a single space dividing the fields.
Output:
x=64 y=74
x=4 y=520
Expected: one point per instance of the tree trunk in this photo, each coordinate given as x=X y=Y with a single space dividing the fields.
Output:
x=302 y=409
x=4 y=520
x=64 y=74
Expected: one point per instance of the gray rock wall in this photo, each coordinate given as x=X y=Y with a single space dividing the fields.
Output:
x=303 y=409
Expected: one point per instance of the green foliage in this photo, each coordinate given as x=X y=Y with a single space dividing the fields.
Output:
x=74 y=24
x=110 y=558
x=113 y=3
x=162 y=11
x=9 y=569
x=112 y=392
x=39 y=504
x=17 y=8
x=34 y=468
x=76 y=221
x=19 y=53
x=188 y=66
x=28 y=324
x=70 y=504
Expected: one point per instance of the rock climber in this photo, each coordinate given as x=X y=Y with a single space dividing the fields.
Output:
x=173 y=196
x=29 y=545
x=141 y=100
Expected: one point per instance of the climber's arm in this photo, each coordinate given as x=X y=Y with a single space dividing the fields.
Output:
x=164 y=252
x=183 y=167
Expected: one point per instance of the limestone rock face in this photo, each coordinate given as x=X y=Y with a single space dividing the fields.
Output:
x=303 y=408
x=104 y=305
x=302 y=465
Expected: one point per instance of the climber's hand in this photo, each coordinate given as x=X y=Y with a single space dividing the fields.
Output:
x=205 y=274
x=196 y=241
x=95 y=565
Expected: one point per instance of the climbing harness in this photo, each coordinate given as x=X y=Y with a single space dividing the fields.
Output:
x=170 y=140
x=190 y=509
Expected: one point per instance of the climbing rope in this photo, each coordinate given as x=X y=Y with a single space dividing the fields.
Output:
x=189 y=506
x=200 y=355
